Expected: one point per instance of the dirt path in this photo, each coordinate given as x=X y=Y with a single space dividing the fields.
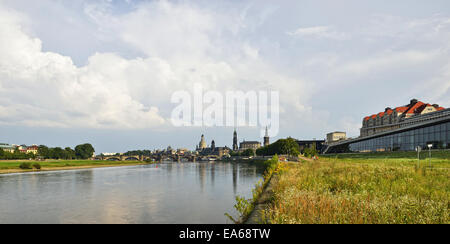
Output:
x=307 y=159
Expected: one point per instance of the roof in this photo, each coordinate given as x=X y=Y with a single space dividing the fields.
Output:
x=412 y=109
x=251 y=142
x=401 y=109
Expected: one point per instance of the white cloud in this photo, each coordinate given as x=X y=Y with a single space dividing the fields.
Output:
x=46 y=89
x=319 y=32
x=164 y=46
x=180 y=45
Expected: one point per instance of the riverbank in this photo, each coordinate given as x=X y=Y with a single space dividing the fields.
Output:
x=10 y=167
x=249 y=209
x=354 y=190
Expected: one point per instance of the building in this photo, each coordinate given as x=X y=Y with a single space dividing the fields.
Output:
x=336 y=136
x=33 y=149
x=403 y=129
x=21 y=148
x=202 y=145
x=249 y=145
x=203 y=150
x=235 y=141
x=319 y=144
x=390 y=119
x=7 y=147
x=215 y=151
x=266 y=138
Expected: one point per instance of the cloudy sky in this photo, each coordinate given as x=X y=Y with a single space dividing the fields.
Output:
x=103 y=71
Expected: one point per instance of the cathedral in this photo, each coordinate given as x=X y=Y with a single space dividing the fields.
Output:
x=204 y=150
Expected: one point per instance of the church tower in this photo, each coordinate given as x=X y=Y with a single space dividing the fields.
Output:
x=213 y=145
x=202 y=144
x=235 y=141
x=266 y=138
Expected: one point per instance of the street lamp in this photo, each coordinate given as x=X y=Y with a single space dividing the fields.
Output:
x=429 y=150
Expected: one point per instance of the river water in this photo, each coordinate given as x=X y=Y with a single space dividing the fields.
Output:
x=179 y=193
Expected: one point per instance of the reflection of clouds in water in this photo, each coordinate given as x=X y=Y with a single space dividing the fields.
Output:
x=195 y=193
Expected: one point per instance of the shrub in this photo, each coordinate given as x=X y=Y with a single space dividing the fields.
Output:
x=37 y=166
x=25 y=166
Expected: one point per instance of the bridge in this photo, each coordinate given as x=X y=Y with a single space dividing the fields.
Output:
x=142 y=158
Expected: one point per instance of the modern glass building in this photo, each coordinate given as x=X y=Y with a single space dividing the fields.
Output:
x=421 y=131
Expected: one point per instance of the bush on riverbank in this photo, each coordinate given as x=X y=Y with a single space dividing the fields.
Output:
x=37 y=166
x=344 y=192
x=25 y=166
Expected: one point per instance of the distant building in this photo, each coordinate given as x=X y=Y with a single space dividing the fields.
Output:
x=303 y=144
x=391 y=119
x=235 y=141
x=403 y=128
x=7 y=147
x=203 y=150
x=182 y=151
x=336 y=136
x=249 y=145
x=202 y=145
x=216 y=151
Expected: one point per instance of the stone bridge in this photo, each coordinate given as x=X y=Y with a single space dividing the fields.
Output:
x=157 y=158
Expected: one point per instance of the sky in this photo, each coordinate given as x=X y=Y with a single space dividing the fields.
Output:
x=103 y=71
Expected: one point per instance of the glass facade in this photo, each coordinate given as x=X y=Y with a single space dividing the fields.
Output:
x=438 y=135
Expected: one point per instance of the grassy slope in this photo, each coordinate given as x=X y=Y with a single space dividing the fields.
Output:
x=355 y=189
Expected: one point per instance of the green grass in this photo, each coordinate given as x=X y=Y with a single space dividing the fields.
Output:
x=354 y=189
x=12 y=165
x=439 y=154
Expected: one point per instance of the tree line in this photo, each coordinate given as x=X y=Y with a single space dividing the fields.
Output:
x=287 y=146
x=84 y=151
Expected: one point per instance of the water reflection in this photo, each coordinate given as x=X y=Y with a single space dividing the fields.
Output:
x=163 y=193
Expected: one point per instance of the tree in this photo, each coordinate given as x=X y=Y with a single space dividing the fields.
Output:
x=311 y=151
x=281 y=147
x=56 y=153
x=70 y=153
x=84 y=151
x=247 y=153
x=43 y=151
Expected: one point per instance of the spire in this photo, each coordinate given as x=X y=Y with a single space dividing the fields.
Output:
x=235 y=140
x=267 y=138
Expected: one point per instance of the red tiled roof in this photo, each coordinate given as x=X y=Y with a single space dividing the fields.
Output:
x=401 y=109
x=413 y=108
x=408 y=109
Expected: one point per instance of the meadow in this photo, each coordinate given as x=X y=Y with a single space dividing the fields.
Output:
x=13 y=166
x=379 y=188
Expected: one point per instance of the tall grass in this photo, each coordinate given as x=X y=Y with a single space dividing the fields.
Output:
x=245 y=206
x=359 y=191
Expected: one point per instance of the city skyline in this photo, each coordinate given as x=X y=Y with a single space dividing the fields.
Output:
x=103 y=72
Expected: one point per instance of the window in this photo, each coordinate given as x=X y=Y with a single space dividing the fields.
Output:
x=437 y=128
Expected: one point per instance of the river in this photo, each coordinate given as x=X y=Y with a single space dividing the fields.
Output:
x=167 y=193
